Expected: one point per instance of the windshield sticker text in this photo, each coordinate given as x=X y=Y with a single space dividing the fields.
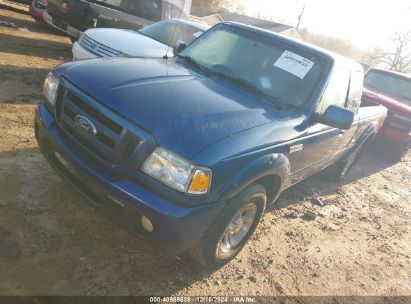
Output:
x=294 y=64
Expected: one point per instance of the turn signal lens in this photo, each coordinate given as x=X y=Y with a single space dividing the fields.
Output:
x=147 y=224
x=200 y=183
x=50 y=87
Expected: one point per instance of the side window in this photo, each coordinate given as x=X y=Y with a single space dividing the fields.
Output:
x=357 y=79
x=149 y=9
x=172 y=11
x=185 y=32
x=336 y=92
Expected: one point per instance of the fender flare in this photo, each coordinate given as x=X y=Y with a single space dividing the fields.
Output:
x=267 y=165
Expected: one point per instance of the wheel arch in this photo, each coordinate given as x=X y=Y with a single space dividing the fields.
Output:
x=364 y=139
x=271 y=171
x=272 y=185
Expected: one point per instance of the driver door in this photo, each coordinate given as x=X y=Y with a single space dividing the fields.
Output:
x=323 y=143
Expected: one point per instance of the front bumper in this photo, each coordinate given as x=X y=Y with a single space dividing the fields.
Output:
x=124 y=201
x=396 y=135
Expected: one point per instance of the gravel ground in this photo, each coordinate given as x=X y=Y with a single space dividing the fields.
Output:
x=52 y=242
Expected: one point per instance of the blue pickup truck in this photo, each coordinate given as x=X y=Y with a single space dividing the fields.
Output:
x=187 y=152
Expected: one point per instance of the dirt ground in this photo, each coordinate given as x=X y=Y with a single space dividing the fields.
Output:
x=52 y=242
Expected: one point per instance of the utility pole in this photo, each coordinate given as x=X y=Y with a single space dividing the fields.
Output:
x=300 y=17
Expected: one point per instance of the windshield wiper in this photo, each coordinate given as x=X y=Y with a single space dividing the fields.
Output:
x=251 y=87
x=193 y=62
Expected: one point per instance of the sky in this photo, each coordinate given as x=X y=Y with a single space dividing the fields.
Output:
x=366 y=23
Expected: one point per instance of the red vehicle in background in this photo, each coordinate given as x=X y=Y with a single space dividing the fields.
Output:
x=37 y=8
x=392 y=90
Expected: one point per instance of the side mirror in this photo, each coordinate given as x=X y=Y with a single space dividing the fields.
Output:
x=337 y=117
x=178 y=47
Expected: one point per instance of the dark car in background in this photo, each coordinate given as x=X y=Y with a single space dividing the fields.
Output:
x=37 y=8
x=155 y=40
x=75 y=16
x=392 y=90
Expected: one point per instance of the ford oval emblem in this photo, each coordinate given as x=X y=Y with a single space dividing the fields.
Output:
x=85 y=125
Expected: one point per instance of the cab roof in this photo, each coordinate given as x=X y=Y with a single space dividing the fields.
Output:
x=403 y=75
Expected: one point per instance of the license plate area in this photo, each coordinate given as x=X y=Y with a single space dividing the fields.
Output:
x=66 y=165
x=82 y=182
x=100 y=200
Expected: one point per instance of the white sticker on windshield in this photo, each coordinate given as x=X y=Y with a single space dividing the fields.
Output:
x=294 y=64
x=198 y=34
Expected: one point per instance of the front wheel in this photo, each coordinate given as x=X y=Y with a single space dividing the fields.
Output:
x=232 y=228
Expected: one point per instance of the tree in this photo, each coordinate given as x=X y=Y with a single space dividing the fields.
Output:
x=205 y=7
x=399 y=57
x=337 y=45
x=202 y=7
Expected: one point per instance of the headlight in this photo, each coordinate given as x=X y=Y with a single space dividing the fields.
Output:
x=177 y=172
x=50 y=88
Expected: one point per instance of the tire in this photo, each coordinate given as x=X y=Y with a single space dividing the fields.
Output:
x=340 y=169
x=399 y=152
x=213 y=251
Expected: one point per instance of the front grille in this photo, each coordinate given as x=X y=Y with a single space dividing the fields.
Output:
x=97 y=48
x=112 y=125
x=84 y=142
x=111 y=145
x=398 y=121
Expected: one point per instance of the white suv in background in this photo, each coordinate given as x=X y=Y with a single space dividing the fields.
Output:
x=151 y=41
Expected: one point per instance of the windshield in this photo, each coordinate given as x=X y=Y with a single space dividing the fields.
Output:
x=391 y=84
x=163 y=32
x=282 y=72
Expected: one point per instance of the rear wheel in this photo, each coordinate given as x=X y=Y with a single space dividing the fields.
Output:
x=340 y=169
x=232 y=228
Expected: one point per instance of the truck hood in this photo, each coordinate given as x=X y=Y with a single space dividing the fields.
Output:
x=128 y=42
x=394 y=103
x=185 y=111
